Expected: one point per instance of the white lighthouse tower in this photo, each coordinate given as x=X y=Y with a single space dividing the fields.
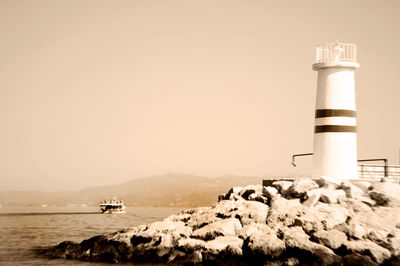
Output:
x=335 y=139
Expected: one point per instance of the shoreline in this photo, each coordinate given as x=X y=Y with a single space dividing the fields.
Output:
x=287 y=223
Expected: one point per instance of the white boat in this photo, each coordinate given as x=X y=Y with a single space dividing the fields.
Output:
x=112 y=206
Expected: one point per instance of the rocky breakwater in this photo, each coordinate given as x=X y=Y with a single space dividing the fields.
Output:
x=287 y=223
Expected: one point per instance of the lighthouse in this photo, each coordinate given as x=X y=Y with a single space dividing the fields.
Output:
x=335 y=132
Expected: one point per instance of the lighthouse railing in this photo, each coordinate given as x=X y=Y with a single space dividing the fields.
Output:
x=336 y=52
x=392 y=172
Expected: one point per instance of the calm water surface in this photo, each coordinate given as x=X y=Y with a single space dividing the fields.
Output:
x=24 y=228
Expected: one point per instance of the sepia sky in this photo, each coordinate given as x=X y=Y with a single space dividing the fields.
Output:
x=100 y=92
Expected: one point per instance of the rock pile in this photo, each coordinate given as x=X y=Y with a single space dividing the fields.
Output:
x=288 y=223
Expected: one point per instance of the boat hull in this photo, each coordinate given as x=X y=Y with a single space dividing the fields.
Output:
x=113 y=211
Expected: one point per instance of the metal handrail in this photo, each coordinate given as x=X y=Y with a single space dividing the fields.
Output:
x=368 y=169
x=376 y=165
x=395 y=175
x=298 y=155
x=373 y=160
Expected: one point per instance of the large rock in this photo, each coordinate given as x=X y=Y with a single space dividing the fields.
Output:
x=226 y=227
x=261 y=240
x=352 y=191
x=258 y=197
x=282 y=186
x=389 y=241
x=222 y=243
x=331 y=238
x=390 y=190
x=246 y=191
x=313 y=196
x=379 y=198
x=168 y=227
x=394 y=244
x=271 y=193
x=233 y=193
x=191 y=244
x=331 y=196
x=126 y=234
x=324 y=195
x=364 y=185
x=296 y=238
x=251 y=212
x=283 y=212
x=323 y=180
x=321 y=217
x=300 y=187
x=224 y=249
x=357 y=231
x=159 y=239
x=224 y=209
x=202 y=217
x=330 y=215
x=357 y=259
x=376 y=252
x=97 y=248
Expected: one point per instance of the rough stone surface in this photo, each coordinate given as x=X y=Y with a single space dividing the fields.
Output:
x=232 y=193
x=261 y=240
x=379 y=198
x=222 y=243
x=258 y=197
x=313 y=197
x=246 y=191
x=226 y=227
x=191 y=243
x=364 y=185
x=251 y=212
x=301 y=187
x=283 y=212
x=296 y=238
x=331 y=196
x=357 y=231
x=331 y=238
x=389 y=190
x=330 y=215
x=326 y=180
x=376 y=252
x=202 y=217
x=282 y=186
x=352 y=191
x=270 y=193
x=288 y=223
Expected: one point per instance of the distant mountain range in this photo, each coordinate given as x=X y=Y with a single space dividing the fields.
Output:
x=170 y=189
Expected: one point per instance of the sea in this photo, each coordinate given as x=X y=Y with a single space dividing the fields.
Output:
x=24 y=229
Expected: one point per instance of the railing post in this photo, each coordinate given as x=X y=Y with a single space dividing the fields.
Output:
x=386 y=169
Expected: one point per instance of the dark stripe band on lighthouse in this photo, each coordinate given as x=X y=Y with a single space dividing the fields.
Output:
x=326 y=128
x=334 y=112
x=335 y=128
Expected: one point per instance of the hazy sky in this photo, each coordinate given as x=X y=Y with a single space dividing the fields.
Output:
x=100 y=92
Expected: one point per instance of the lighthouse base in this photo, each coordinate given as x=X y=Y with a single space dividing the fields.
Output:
x=335 y=156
